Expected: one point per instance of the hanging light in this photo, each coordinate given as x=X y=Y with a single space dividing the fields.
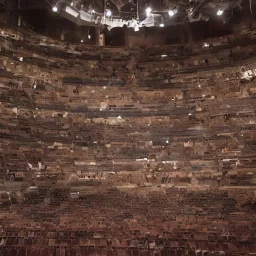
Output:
x=162 y=25
x=136 y=29
x=220 y=12
x=171 y=13
x=108 y=13
x=89 y=36
x=148 y=11
x=55 y=9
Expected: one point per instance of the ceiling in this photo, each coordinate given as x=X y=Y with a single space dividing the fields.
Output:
x=132 y=13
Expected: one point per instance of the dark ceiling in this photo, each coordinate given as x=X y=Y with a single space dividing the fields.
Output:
x=38 y=15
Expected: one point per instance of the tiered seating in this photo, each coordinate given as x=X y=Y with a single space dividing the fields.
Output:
x=142 y=151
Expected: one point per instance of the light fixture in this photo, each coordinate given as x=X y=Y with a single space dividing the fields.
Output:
x=148 y=11
x=171 y=13
x=199 y=86
x=136 y=28
x=21 y=58
x=93 y=11
x=108 y=13
x=167 y=141
x=206 y=45
x=72 y=4
x=190 y=114
x=220 y=12
x=55 y=9
x=162 y=25
x=89 y=36
x=82 y=40
x=119 y=117
x=164 y=55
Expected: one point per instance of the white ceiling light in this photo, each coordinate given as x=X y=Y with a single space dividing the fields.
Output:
x=148 y=11
x=108 y=13
x=220 y=12
x=171 y=13
x=162 y=25
x=55 y=9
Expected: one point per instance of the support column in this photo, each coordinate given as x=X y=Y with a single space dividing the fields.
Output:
x=100 y=37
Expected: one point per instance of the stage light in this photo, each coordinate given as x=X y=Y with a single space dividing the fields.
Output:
x=108 y=13
x=136 y=28
x=148 y=11
x=220 y=12
x=171 y=13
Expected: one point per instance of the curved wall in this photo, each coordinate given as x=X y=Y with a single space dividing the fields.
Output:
x=127 y=151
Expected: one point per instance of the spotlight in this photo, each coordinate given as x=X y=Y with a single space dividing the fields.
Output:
x=171 y=13
x=220 y=12
x=148 y=11
x=136 y=28
x=162 y=25
x=55 y=9
x=108 y=13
